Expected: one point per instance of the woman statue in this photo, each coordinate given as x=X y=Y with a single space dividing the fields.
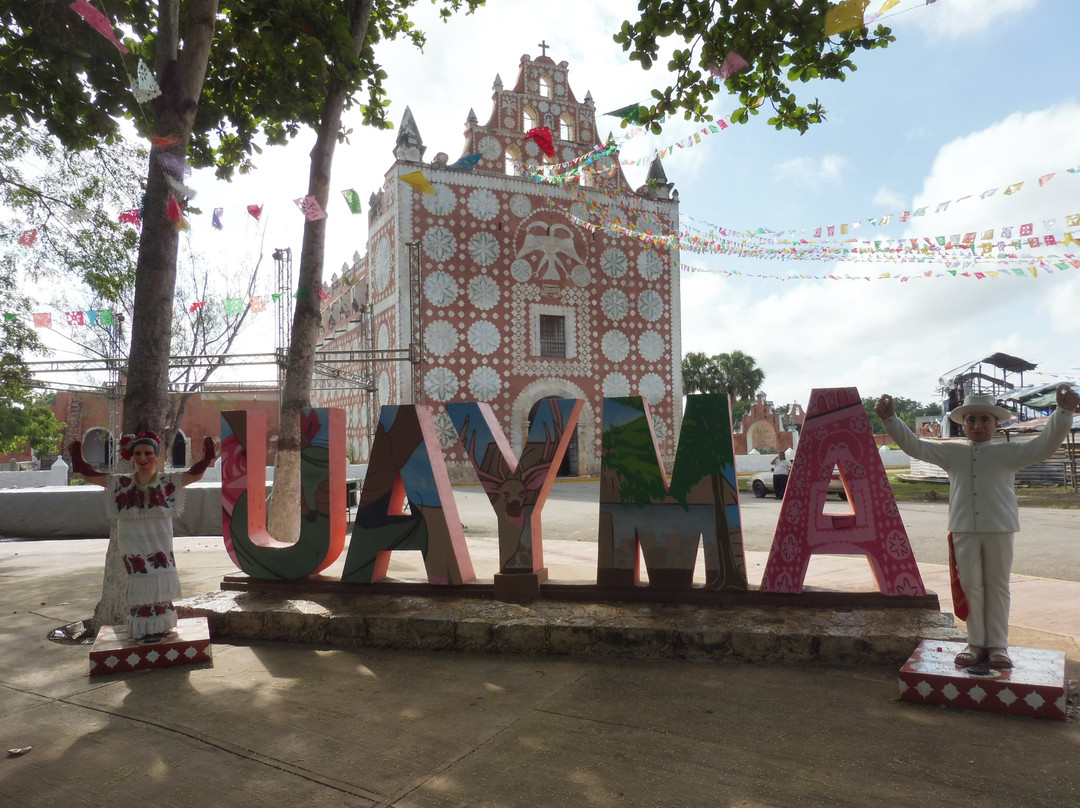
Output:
x=143 y=505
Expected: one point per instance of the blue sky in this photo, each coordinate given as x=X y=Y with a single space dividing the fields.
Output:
x=974 y=94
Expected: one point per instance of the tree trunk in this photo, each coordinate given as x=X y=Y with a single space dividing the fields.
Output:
x=283 y=515
x=180 y=75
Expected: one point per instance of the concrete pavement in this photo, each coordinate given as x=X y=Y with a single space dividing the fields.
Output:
x=287 y=723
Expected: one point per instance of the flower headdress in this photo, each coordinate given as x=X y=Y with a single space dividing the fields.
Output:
x=129 y=442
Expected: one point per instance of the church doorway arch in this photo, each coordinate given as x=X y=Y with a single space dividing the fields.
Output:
x=98 y=448
x=761 y=435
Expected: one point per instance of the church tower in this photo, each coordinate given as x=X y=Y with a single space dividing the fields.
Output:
x=481 y=283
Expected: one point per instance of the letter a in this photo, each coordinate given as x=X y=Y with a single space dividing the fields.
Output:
x=406 y=462
x=836 y=433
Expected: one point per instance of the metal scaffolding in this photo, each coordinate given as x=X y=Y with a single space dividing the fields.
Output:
x=283 y=260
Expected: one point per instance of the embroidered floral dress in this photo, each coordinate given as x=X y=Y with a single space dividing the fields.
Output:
x=144 y=527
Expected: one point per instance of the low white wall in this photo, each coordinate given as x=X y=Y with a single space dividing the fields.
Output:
x=57 y=475
x=756 y=463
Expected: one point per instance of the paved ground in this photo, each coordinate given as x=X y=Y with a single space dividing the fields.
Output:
x=283 y=724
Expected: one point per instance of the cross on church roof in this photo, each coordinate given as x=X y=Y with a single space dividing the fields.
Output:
x=543 y=46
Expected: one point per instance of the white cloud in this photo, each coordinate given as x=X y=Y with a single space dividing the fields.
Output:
x=898 y=337
x=888 y=199
x=810 y=171
x=956 y=19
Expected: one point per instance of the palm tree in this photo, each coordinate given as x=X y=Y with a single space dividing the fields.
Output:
x=742 y=378
x=701 y=374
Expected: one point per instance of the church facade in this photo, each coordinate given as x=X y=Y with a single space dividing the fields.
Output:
x=481 y=283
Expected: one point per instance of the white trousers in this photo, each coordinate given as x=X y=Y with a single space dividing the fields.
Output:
x=984 y=562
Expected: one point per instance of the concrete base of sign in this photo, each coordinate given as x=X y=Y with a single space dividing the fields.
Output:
x=518 y=586
x=659 y=579
x=387 y=616
x=114 y=650
x=1035 y=686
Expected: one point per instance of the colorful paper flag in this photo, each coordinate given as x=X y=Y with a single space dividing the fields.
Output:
x=255 y=211
x=310 y=207
x=352 y=199
x=181 y=190
x=173 y=164
x=10 y=318
x=194 y=307
x=105 y=317
x=164 y=141
x=215 y=220
x=631 y=113
x=733 y=63
x=144 y=86
x=99 y=22
x=174 y=210
x=542 y=136
x=43 y=320
x=28 y=238
x=258 y=305
x=132 y=216
x=418 y=181
x=466 y=163
x=75 y=318
x=845 y=16
x=234 y=305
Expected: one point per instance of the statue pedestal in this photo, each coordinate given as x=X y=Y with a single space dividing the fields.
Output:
x=519 y=586
x=114 y=651
x=1035 y=686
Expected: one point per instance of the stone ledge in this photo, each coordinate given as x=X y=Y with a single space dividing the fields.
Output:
x=868 y=636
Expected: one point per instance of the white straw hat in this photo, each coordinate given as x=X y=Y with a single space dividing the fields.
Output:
x=978 y=403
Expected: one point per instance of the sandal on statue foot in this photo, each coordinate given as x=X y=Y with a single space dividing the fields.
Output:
x=1000 y=659
x=971 y=655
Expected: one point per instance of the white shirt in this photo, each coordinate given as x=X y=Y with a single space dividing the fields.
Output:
x=982 y=476
x=781 y=465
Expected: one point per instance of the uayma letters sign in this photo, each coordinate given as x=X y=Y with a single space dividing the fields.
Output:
x=641 y=513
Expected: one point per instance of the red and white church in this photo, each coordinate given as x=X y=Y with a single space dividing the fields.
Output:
x=480 y=283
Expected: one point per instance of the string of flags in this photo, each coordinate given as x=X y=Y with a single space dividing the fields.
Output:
x=231 y=305
x=836 y=242
x=832 y=242
x=144 y=88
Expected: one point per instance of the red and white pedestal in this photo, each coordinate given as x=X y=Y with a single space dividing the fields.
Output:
x=114 y=651
x=1035 y=686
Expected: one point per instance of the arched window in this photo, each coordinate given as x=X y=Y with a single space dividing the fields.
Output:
x=513 y=161
x=566 y=127
x=178 y=455
x=98 y=448
x=530 y=119
x=545 y=86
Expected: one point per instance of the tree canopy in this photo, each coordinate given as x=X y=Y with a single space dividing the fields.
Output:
x=735 y=374
x=907 y=410
x=754 y=49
